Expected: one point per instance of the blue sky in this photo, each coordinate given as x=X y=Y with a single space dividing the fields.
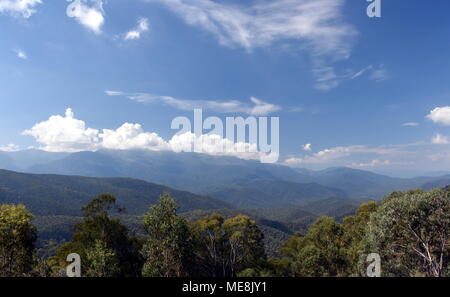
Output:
x=367 y=93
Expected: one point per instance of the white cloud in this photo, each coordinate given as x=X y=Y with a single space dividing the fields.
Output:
x=440 y=139
x=88 y=13
x=379 y=163
x=68 y=134
x=411 y=124
x=257 y=108
x=64 y=134
x=131 y=136
x=373 y=163
x=9 y=148
x=21 y=55
x=440 y=115
x=142 y=27
x=337 y=153
x=213 y=144
x=24 y=8
x=307 y=147
x=317 y=24
x=327 y=78
x=379 y=75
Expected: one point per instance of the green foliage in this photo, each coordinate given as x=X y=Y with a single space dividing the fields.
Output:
x=321 y=252
x=101 y=205
x=97 y=226
x=168 y=248
x=355 y=228
x=17 y=237
x=226 y=247
x=103 y=261
x=329 y=248
x=411 y=232
x=66 y=195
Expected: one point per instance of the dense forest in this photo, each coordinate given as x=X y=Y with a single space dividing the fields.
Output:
x=409 y=230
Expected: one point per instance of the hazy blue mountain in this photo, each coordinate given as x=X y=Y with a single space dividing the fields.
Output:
x=360 y=184
x=188 y=171
x=24 y=160
x=261 y=193
x=65 y=195
x=6 y=162
x=228 y=178
x=441 y=182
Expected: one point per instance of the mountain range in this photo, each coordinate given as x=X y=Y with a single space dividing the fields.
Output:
x=66 y=195
x=243 y=183
x=282 y=200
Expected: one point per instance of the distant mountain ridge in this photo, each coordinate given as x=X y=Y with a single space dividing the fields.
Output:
x=66 y=195
x=245 y=183
x=274 y=193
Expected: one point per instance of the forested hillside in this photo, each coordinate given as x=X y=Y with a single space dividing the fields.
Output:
x=410 y=231
x=65 y=195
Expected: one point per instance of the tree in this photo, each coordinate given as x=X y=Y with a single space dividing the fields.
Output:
x=410 y=231
x=103 y=261
x=355 y=228
x=227 y=247
x=17 y=237
x=168 y=248
x=321 y=252
x=100 y=239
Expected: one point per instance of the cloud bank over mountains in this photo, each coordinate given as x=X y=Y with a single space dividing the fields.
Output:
x=69 y=134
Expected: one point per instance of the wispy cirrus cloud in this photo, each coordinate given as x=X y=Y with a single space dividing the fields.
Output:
x=89 y=13
x=327 y=78
x=23 y=8
x=255 y=107
x=318 y=25
x=332 y=155
x=411 y=124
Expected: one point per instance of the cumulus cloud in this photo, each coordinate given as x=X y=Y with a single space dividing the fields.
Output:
x=23 y=8
x=88 y=13
x=64 y=134
x=317 y=24
x=440 y=115
x=213 y=144
x=257 y=107
x=68 y=134
x=440 y=139
x=142 y=27
x=307 y=147
x=131 y=136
